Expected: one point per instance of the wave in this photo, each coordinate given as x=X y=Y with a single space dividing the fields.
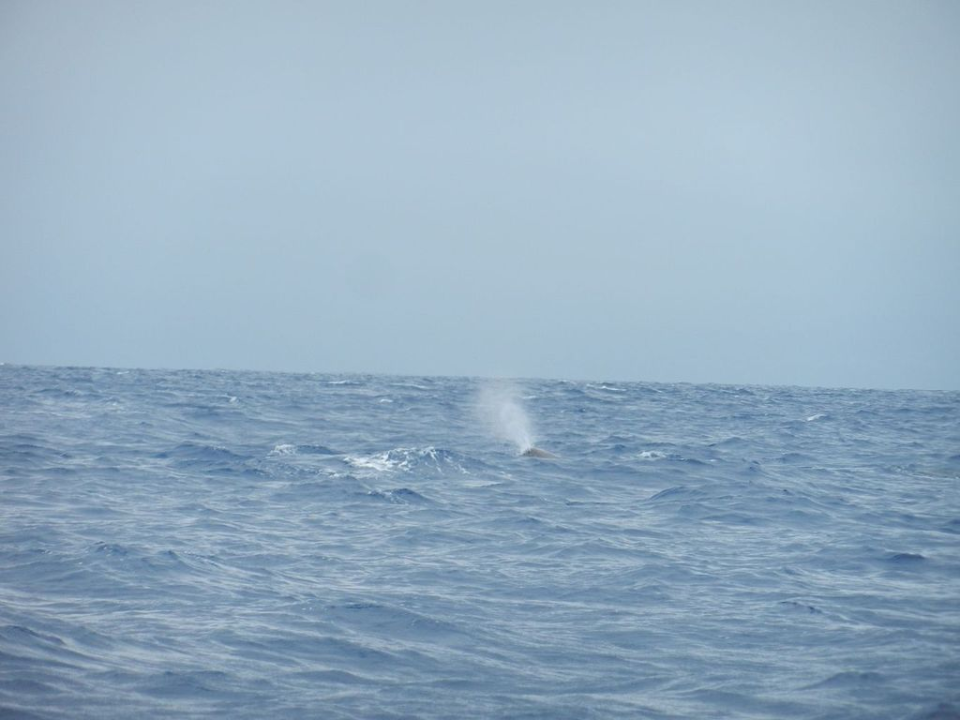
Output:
x=309 y=547
x=402 y=495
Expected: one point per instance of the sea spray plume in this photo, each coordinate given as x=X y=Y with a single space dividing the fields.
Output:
x=499 y=407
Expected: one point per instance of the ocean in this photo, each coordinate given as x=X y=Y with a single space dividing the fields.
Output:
x=200 y=544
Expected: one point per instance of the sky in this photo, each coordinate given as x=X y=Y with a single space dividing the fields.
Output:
x=732 y=192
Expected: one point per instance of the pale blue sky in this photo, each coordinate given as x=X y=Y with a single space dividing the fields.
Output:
x=745 y=192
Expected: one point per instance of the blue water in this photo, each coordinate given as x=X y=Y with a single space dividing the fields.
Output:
x=265 y=545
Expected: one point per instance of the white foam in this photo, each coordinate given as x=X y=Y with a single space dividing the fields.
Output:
x=402 y=460
x=815 y=417
x=652 y=455
x=382 y=462
x=608 y=388
x=284 y=449
x=412 y=386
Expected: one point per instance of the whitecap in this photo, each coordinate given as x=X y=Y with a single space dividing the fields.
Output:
x=405 y=460
x=283 y=449
x=411 y=386
x=608 y=388
x=381 y=462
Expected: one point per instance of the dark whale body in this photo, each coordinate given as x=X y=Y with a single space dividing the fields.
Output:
x=537 y=453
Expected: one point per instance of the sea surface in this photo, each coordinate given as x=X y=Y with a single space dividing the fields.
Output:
x=265 y=545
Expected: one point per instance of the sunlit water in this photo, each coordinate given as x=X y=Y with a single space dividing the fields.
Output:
x=256 y=545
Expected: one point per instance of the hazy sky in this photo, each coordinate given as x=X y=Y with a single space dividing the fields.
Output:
x=745 y=192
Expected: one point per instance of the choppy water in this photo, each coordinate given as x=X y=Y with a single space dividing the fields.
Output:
x=254 y=545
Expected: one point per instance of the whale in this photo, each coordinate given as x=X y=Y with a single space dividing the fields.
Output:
x=536 y=452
